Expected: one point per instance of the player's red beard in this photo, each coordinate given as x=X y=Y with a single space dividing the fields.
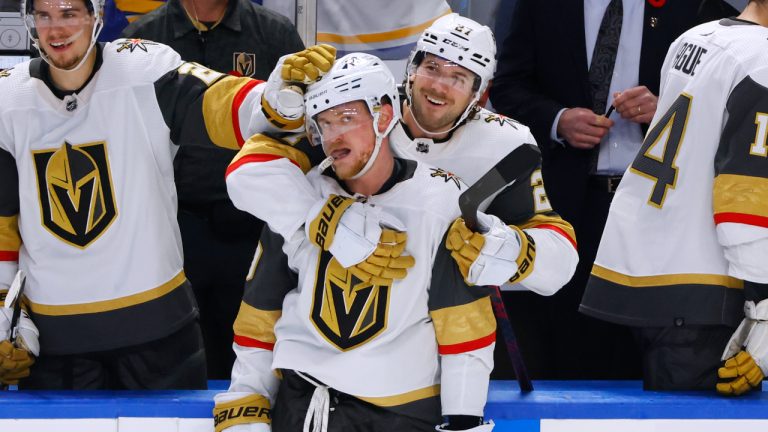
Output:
x=346 y=169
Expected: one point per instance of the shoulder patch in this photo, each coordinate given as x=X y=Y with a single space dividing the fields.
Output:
x=133 y=44
x=447 y=176
x=500 y=119
x=4 y=73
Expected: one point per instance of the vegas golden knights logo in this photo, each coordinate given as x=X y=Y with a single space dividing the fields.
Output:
x=244 y=63
x=77 y=203
x=345 y=310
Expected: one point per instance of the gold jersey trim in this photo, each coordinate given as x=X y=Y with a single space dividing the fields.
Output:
x=256 y=323
x=665 y=280
x=404 y=398
x=263 y=145
x=10 y=240
x=220 y=104
x=109 y=305
x=464 y=323
x=367 y=38
x=740 y=194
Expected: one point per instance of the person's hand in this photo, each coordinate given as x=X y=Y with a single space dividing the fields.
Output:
x=349 y=230
x=746 y=356
x=387 y=261
x=486 y=258
x=636 y=104
x=582 y=128
x=283 y=97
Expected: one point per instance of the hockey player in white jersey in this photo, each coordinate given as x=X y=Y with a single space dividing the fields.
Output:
x=88 y=203
x=355 y=348
x=443 y=125
x=683 y=254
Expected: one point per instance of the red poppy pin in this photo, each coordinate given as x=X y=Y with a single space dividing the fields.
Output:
x=657 y=3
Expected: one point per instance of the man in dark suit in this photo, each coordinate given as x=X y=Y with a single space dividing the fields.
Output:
x=545 y=81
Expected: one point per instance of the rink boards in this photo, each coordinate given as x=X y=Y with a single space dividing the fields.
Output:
x=553 y=407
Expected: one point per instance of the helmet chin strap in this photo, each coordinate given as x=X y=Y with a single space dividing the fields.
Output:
x=96 y=30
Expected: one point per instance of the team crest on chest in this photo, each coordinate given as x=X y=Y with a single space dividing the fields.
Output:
x=133 y=44
x=446 y=175
x=74 y=185
x=345 y=310
x=244 y=63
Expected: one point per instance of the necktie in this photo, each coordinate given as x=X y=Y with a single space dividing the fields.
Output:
x=604 y=55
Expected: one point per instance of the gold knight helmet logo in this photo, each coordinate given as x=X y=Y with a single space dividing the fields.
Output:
x=75 y=190
x=345 y=310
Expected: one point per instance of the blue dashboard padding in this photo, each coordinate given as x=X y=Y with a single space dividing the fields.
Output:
x=550 y=400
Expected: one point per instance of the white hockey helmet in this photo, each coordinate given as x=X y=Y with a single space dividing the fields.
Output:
x=96 y=7
x=354 y=77
x=462 y=41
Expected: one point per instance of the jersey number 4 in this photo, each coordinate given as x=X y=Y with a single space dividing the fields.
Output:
x=656 y=158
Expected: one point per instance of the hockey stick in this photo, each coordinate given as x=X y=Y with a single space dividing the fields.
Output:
x=515 y=167
x=13 y=300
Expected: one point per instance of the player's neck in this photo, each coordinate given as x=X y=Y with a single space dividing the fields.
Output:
x=74 y=79
x=374 y=179
x=205 y=10
x=756 y=12
x=413 y=126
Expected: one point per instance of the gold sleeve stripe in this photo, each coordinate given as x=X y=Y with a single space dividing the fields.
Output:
x=740 y=194
x=10 y=240
x=220 y=104
x=402 y=399
x=108 y=305
x=465 y=323
x=377 y=37
x=250 y=409
x=260 y=148
x=138 y=6
x=551 y=222
x=255 y=327
x=664 y=280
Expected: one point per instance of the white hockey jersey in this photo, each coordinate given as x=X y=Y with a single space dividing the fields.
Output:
x=689 y=222
x=268 y=182
x=88 y=202
x=395 y=346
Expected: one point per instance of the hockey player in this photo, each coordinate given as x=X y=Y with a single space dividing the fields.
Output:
x=359 y=351
x=88 y=205
x=685 y=246
x=443 y=124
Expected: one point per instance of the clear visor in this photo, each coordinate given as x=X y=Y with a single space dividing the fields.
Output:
x=447 y=74
x=58 y=13
x=332 y=124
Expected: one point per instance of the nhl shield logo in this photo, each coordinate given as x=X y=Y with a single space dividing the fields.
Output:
x=244 y=63
x=74 y=185
x=345 y=310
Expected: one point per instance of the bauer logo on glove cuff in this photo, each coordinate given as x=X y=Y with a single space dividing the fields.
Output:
x=323 y=227
x=526 y=258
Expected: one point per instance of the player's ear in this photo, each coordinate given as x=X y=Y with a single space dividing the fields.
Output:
x=385 y=116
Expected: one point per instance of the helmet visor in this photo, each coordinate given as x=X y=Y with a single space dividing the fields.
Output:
x=334 y=123
x=446 y=73
x=58 y=13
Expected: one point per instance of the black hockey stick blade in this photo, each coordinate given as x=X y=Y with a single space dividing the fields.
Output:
x=516 y=167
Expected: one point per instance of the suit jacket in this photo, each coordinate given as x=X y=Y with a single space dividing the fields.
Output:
x=543 y=68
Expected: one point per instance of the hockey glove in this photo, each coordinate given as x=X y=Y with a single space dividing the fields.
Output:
x=746 y=356
x=16 y=359
x=242 y=412
x=491 y=257
x=485 y=427
x=349 y=230
x=387 y=262
x=283 y=100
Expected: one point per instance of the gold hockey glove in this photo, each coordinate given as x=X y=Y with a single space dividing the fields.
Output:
x=322 y=228
x=308 y=65
x=746 y=355
x=14 y=363
x=387 y=262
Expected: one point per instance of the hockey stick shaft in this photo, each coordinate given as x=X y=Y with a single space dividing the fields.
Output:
x=516 y=167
